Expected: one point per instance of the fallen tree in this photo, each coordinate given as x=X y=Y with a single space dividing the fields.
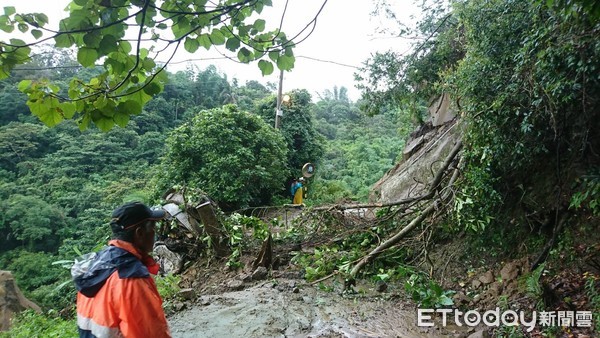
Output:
x=433 y=189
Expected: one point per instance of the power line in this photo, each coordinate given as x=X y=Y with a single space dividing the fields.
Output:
x=327 y=61
x=186 y=61
x=299 y=56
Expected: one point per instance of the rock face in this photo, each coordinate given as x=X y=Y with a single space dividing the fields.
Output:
x=441 y=110
x=423 y=156
x=12 y=300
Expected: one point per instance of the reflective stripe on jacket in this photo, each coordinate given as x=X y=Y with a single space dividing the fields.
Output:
x=117 y=296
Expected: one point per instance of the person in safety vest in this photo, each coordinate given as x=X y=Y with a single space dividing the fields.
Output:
x=293 y=187
x=298 y=191
x=116 y=295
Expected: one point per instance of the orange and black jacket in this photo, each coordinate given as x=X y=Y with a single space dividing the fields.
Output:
x=117 y=296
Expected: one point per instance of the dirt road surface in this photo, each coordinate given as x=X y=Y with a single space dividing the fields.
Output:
x=285 y=310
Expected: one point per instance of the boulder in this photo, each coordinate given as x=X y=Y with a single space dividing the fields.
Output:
x=169 y=261
x=510 y=271
x=187 y=294
x=260 y=273
x=235 y=285
x=12 y=300
x=487 y=278
x=480 y=334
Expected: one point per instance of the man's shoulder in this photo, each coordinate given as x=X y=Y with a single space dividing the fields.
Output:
x=127 y=264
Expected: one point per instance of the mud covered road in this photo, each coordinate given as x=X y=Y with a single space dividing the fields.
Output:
x=286 y=310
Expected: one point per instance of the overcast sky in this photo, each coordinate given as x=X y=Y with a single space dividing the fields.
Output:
x=342 y=39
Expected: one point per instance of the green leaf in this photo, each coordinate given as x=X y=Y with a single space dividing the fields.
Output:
x=23 y=27
x=42 y=18
x=92 y=39
x=107 y=45
x=152 y=88
x=105 y=124
x=191 y=45
x=285 y=62
x=125 y=46
x=121 y=119
x=204 y=41
x=100 y=102
x=4 y=72
x=23 y=85
x=68 y=109
x=17 y=42
x=87 y=56
x=141 y=97
x=116 y=67
x=149 y=64
x=266 y=67
x=116 y=29
x=233 y=43
x=84 y=123
x=36 y=33
x=77 y=20
x=63 y=40
x=9 y=10
x=244 y=55
x=37 y=106
x=182 y=27
x=259 y=7
x=46 y=110
x=129 y=107
x=259 y=25
x=5 y=25
x=217 y=37
x=274 y=55
x=289 y=51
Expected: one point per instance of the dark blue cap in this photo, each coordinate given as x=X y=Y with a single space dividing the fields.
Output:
x=134 y=213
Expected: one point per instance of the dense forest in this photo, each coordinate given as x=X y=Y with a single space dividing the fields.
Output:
x=59 y=185
x=522 y=75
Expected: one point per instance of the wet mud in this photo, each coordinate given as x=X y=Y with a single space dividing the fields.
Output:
x=283 y=310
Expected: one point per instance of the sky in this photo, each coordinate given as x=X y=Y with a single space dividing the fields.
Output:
x=344 y=37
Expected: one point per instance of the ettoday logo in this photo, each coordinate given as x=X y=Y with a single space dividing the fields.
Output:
x=497 y=318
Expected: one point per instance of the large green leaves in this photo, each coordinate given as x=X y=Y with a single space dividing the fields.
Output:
x=285 y=62
x=96 y=29
x=13 y=54
x=266 y=67
x=87 y=56
x=191 y=45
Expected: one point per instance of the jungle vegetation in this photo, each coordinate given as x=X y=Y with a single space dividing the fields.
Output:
x=523 y=74
x=58 y=185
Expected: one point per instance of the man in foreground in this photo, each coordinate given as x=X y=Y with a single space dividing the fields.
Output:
x=116 y=295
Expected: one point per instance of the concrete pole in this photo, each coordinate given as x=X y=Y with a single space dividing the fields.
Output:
x=278 y=111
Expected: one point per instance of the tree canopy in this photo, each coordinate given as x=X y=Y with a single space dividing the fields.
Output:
x=234 y=157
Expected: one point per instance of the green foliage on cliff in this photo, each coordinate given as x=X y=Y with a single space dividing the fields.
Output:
x=524 y=77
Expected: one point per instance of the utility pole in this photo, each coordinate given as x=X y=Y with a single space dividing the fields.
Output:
x=278 y=111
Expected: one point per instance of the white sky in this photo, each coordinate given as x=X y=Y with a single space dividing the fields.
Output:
x=343 y=35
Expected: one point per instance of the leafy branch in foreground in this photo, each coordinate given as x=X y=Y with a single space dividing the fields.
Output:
x=100 y=33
